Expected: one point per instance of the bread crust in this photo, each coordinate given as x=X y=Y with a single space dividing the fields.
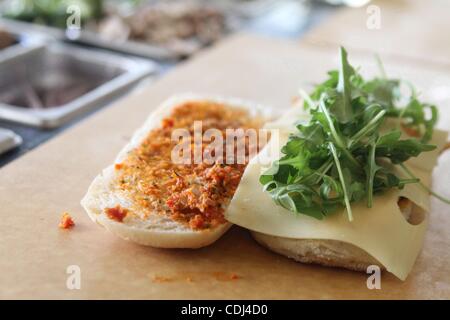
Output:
x=157 y=230
x=330 y=253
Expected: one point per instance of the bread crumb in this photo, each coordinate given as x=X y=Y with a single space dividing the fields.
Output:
x=160 y=279
x=225 y=276
x=66 y=221
x=234 y=276
x=190 y=277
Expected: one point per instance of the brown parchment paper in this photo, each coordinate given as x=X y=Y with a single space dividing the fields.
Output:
x=37 y=188
x=411 y=29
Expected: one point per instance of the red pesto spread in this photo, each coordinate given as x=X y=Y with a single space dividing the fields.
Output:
x=410 y=131
x=118 y=213
x=194 y=194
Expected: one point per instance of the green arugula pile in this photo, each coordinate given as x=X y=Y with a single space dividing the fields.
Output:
x=340 y=156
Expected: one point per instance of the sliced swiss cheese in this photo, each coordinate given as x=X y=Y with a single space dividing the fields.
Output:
x=381 y=231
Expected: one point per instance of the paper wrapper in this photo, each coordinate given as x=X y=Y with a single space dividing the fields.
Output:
x=37 y=188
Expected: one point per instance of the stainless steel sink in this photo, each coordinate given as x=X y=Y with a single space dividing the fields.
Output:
x=49 y=84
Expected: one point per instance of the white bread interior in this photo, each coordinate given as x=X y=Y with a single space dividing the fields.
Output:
x=155 y=230
x=330 y=253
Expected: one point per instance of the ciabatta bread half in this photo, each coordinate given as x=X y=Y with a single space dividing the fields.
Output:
x=154 y=230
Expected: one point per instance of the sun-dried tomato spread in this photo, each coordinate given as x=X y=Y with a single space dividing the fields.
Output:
x=194 y=194
x=117 y=213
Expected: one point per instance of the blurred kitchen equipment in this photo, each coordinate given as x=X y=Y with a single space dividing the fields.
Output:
x=8 y=140
x=14 y=42
x=163 y=30
x=248 y=8
x=286 y=18
x=6 y=39
x=52 y=84
x=349 y=3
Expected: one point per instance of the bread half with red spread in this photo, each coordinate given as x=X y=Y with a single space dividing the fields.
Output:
x=146 y=198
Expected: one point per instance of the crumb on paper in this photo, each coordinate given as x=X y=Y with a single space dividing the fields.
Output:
x=234 y=276
x=225 y=276
x=66 y=221
x=190 y=277
x=161 y=279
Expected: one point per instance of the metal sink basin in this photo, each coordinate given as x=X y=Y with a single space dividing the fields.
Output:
x=50 y=84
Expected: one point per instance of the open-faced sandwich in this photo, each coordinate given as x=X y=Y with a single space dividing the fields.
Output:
x=349 y=185
x=343 y=180
x=149 y=197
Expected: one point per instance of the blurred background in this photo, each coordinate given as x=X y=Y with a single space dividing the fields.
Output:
x=63 y=60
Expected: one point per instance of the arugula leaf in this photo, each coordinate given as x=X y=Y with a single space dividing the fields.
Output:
x=382 y=91
x=344 y=182
x=399 y=151
x=340 y=155
x=344 y=112
x=331 y=82
x=371 y=169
